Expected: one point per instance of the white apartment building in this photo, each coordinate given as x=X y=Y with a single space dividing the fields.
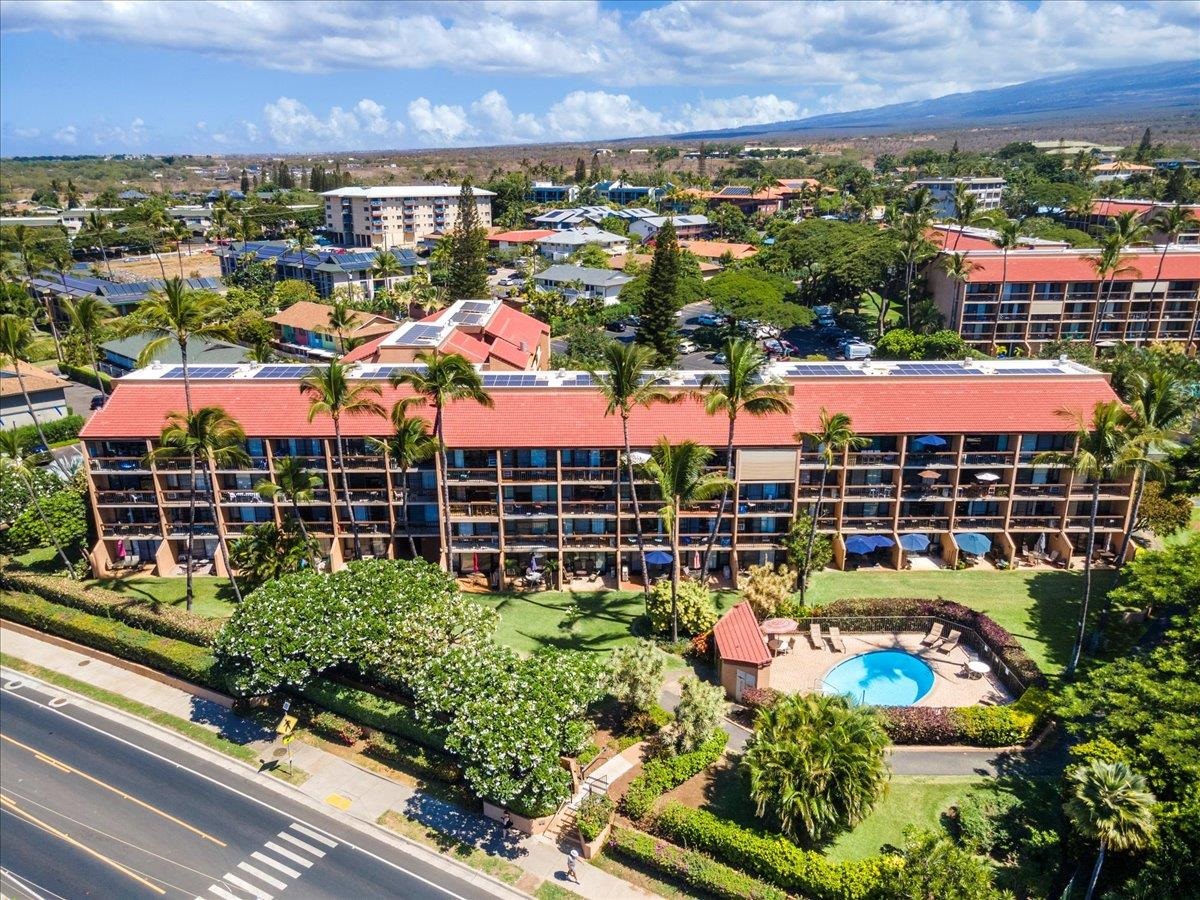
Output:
x=987 y=191
x=385 y=217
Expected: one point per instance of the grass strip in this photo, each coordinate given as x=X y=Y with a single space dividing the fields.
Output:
x=443 y=843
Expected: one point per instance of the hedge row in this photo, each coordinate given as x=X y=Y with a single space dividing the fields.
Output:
x=774 y=858
x=64 y=429
x=164 y=620
x=414 y=759
x=371 y=710
x=185 y=660
x=1005 y=646
x=99 y=380
x=688 y=866
x=978 y=726
x=662 y=774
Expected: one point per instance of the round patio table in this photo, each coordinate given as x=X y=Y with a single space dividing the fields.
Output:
x=978 y=668
x=779 y=626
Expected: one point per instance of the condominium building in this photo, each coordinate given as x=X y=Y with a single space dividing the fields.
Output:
x=986 y=191
x=1103 y=213
x=549 y=192
x=951 y=448
x=1021 y=300
x=326 y=270
x=385 y=217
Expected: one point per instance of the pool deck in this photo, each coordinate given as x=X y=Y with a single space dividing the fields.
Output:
x=800 y=671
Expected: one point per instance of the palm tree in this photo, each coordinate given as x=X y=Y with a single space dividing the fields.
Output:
x=14 y=461
x=16 y=338
x=679 y=473
x=179 y=314
x=1159 y=408
x=446 y=377
x=331 y=394
x=341 y=319
x=1172 y=222
x=1110 y=262
x=292 y=484
x=26 y=243
x=1108 y=448
x=958 y=269
x=742 y=387
x=158 y=222
x=1008 y=237
x=1110 y=804
x=94 y=229
x=61 y=261
x=387 y=267
x=410 y=443
x=625 y=385
x=213 y=436
x=180 y=233
x=966 y=211
x=87 y=316
x=835 y=436
x=915 y=247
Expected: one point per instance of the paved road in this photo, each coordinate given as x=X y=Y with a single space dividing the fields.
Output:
x=92 y=808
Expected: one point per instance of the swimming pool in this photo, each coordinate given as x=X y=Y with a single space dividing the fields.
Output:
x=881 y=678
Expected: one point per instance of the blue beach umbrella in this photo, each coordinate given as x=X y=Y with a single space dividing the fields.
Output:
x=917 y=543
x=860 y=544
x=658 y=557
x=881 y=542
x=974 y=543
x=930 y=440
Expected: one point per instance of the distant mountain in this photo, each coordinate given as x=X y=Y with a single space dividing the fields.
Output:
x=1166 y=89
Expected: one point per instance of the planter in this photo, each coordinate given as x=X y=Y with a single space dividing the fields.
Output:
x=591 y=849
x=522 y=824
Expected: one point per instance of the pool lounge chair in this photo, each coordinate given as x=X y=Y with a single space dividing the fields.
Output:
x=814 y=635
x=936 y=635
x=951 y=641
x=835 y=639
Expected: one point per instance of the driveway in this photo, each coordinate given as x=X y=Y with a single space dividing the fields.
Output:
x=79 y=396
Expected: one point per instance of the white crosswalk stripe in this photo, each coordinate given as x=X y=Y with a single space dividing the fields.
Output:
x=262 y=876
x=288 y=854
x=222 y=893
x=230 y=878
x=315 y=835
x=275 y=864
x=291 y=839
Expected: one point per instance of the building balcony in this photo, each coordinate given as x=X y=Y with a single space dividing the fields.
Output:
x=368 y=495
x=529 y=474
x=202 y=529
x=183 y=497
x=542 y=510
x=760 y=537
x=872 y=491
x=810 y=491
x=255 y=463
x=979 y=523
x=1039 y=490
x=118 y=464
x=126 y=498
x=873 y=459
x=867 y=524
x=468 y=476
x=602 y=473
x=306 y=462
x=482 y=510
x=589 y=541
x=1035 y=523
x=589 y=508
x=132 y=529
x=924 y=523
x=992 y=458
x=921 y=460
x=763 y=507
x=363 y=462
x=242 y=498
x=1083 y=491
x=1104 y=523
x=531 y=541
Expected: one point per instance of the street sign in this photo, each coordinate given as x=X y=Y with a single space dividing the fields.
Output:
x=287 y=725
x=287 y=704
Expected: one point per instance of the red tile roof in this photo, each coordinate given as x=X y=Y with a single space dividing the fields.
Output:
x=738 y=638
x=574 y=417
x=1142 y=207
x=365 y=350
x=1052 y=265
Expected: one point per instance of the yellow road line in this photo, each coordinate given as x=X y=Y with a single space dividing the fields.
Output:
x=16 y=810
x=64 y=767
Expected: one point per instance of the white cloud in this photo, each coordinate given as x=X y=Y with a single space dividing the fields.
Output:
x=498 y=122
x=201 y=126
x=27 y=132
x=731 y=112
x=291 y=124
x=131 y=135
x=588 y=114
x=68 y=134
x=439 y=123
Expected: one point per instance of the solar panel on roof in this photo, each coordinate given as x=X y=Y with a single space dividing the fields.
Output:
x=736 y=192
x=282 y=371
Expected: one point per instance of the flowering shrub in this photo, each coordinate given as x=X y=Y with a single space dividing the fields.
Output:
x=693 y=604
x=760 y=698
x=980 y=726
x=334 y=728
x=594 y=814
x=702 y=646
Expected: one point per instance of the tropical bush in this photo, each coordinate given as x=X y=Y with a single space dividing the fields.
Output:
x=86 y=375
x=593 y=816
x=697 y=715
x=767 y=587
x=980 y=726
x=694 y=603
x=664 y=773
x=418 y=761
x=372 y=710
x=934 y=866
x=64 y=429
x=65 y=519
x=817 y=764
x=14 y=490
x=334 y=728
x=269 y=551
x=1162 y=580
x=637 y=675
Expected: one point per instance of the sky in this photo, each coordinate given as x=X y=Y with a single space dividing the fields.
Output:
x=225 y=76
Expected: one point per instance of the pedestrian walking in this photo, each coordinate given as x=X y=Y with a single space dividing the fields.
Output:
x=571 y=859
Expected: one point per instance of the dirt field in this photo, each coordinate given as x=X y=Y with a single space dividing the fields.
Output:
x=195 y=265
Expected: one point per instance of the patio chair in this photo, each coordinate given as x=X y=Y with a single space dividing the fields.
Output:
x=951 y=641
x=835 y=638
x=936 y=634
x=785 y=645
x=814 y=635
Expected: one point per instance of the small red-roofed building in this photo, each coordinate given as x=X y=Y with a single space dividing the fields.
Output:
x=743 y=660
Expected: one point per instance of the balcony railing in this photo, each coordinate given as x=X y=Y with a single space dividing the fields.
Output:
x=866 y=524
x=474 y=510
x=982 y=491
x=131 y=529
x=589 y=508
x=922 y=460
x=1041 y=523
x=987 y=459
x=207 y=529
x=118 y=464
x=924 y=523
x=603 y=541
x=547 y=508
x=872 y=458
x=531 y=540
x=362 y=462
x=810 y=491
x=1108 y=523
x=1083 y=491
x=602 y=473
x=1039 y=490
x=126 y=498
x=763 y=507
x=173 y=497
x=979 y=523
x=306 y=462
x=481 y=475
x=761 y=537
x=258 y=463
x=924 y=493
x=882 y=491
x=525 y=474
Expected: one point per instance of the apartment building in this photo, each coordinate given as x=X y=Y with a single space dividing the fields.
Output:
x=549 y=192
x=560 y=244
x=305 y=328
x=122 y=296
x=1021 y=300
x=326 y=270
x=952 y=447
x=384 y=217
x=1103 y=213
x=686 y=227
x=986 y=190
x=586 y=216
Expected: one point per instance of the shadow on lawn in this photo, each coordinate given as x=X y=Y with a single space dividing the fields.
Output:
x=1054 y=612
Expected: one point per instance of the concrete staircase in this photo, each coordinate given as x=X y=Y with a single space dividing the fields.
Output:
x=563 y=825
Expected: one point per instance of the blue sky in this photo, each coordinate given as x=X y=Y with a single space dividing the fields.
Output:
x=85 y=76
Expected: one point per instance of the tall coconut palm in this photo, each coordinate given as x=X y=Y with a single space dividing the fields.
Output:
x=386 y=267
x=1109 y=804
x=444 y=378
x=835 y=436
x=966 y=211
x=16 y=339
x=341 y=320
x=1159 y=409
x=1008 y=237
x=292 y=484
x=742 y=387
x=330 y=393
x=1171 y=222
x=409 y=444
x=26 y=243
x=87 y=316
x=678 y=471
x=179 y=233
x=95 y=229
x=626 y=384
x=1110 y=262
x=14 y=461
x=915 y=248
x=61 y=261
x=213 y=437
x=159 y=223
x=958 y=269
x=1106 y=448
x=176 y=313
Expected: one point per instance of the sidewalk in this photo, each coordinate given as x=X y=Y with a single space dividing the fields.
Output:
x=332 y=780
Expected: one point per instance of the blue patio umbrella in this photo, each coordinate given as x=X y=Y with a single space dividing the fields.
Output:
x=930 y=440
x=658 y=557
x=882 y=543
x=917 y=543
x=860 y=544
x=974 y=543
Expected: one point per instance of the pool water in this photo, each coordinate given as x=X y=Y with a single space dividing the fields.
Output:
x=881 y=678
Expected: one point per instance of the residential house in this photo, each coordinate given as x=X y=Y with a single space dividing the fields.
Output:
x=518 y=241
x=580 y=281
x=119 y=357
x=327 y=270
x=47 y=395
x=304 y=328
x=399 y=216
x=623 y=194
x=686 y=227
x=561 y=244
x=1121 y=170
x=549 y=192
x=767 y=201
x=717 y=252
x=583 y=216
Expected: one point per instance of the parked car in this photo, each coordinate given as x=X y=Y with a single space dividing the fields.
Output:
x=853 y=348
x=492 y=270
x=617 y=326
x=511 y=281
x=687 y=346
x=823 y=312
x=775 y=347
x=720 y=359
x=711 y=320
